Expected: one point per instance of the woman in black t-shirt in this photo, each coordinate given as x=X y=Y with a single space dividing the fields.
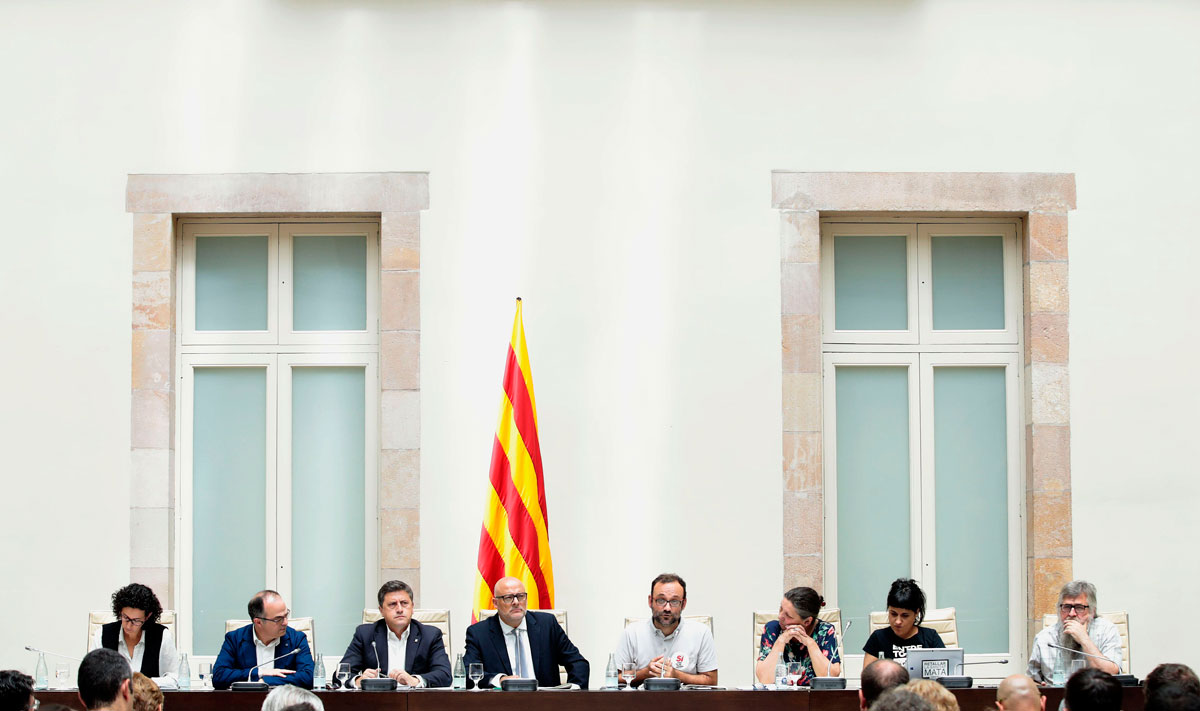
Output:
x=906 y=609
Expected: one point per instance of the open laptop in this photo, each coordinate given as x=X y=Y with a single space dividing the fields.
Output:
x=926 y=663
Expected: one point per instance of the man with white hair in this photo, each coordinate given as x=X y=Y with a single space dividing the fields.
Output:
x=287 y=697
x=1085 y=636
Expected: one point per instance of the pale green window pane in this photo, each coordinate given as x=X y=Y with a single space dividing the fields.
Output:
x=870 y=277
x=328 y=462
x=229 y=433
x=231 y=283
x=872 y=491
x=968 y=282
x=971 y=464
x=329 y=283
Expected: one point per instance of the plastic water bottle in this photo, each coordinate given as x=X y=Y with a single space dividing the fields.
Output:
x=610 y=672
x=185 y=672
x=319 y=672
x=460 y=674
x=41 y=676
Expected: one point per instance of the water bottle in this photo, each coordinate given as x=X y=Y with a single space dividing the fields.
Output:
x=610 y=672
x=1060 y=668
x=41 y=676
x=185 y=672
x=781 y=676
x=319 y=672
x=460 y=674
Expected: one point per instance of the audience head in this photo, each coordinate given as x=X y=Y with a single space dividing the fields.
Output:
x=879 y=677
x=396 y=605
x=938 y=696
x=135 y=605
x=800 y=606
x=510 y=599
x=905 y=606
x=146 y=694
x=269 y=614
x=1172 y=687
x=1077 y=600
x=1019 y=693
x=16 y=691
x=1092 y=690
x=286 y=697
x=104 y=678
x=900 y=699
x=668 y=597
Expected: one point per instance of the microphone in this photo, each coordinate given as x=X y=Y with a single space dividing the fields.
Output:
x=963 y=664
x=377 y=665
x=1068 y=649
x=270 y=661
x=53 y=654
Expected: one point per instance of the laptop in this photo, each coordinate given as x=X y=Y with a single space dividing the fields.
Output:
x=926 y=663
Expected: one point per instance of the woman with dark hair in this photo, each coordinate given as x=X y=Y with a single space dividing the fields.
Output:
x=136 y=635
x=799 y=636
x=906 y=610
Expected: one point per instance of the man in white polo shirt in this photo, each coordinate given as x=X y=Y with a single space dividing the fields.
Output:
x=666 y=644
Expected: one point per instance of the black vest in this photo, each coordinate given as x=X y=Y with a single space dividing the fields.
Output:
x=110 y=637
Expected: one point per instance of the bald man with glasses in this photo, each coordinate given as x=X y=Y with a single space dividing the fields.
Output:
x=266 y=649
x=667 y=645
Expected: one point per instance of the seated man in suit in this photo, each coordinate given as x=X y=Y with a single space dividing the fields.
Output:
x=519 y=644
x=253 y=652
x=411 y=653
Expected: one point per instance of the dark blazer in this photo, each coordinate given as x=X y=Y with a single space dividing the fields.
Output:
x=237 y=658
x=548 y=645
x=424 y=653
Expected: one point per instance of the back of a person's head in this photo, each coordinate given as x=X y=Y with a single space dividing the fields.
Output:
x=302 y=706
x=100 y=677
x=1092 y=690
x=881 y=676
x=900 y=699
x=286 y=696
x=15 y=690
x=1168 y=685
x=1019 y=693
x=938 y=696
x=146 y=694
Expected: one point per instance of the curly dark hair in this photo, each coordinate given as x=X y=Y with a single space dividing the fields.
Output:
x=139 y=597
x=15 y=690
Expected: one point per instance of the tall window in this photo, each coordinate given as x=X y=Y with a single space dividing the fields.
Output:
x=278 y=425
x=922 y=378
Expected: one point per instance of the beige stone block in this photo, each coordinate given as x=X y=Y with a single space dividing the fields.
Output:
x=800 y=240
x=1048 y=288
x=150 y=424
x=400 y=301
x=1047 y=237
x=806 y=570
x=1049 y=448
x=150 y=474
x=400 y=238
x=1047 y=576
x=152 y=301
x=400 y=360
x=1048 y=338
x=278 y=192
x=802 y=462
x=801 y=344
x=400 y=479
x=159 y=580
x=802 y=402
x=149 y=537
x=153 y=243
x=152 y=358
x=1051 y=394
x=401 y=419
x=935 y=192
x=803 y=519
x=400 y=538
x=1051 y=516
x=800 y=289
x=412 y=576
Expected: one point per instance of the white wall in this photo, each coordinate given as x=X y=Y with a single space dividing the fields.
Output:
x=610 y=163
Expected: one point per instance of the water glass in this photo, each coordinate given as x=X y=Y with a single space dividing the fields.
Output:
x=628 y=672
x=62 y=675
x=476 y=674
x=1077 y=665
x=206 y=675
x=343 y=674
x=795 y=671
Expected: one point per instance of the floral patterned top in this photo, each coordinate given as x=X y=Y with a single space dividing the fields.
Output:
x=796 y=652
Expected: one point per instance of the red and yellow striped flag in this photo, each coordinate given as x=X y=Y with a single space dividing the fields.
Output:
x=515 y=540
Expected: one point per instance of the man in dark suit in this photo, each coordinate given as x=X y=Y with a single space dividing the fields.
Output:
x=520 y=644
x=248 y=651
x=411 y=653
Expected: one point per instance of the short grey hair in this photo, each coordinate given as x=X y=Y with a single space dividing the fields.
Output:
x=285 y=695
x=1075 y=588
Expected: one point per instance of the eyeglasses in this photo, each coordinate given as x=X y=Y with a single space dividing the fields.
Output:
x=281 y=620
x=663 y=602
x=132 y=621
x=515 y=597
x=1079 y=609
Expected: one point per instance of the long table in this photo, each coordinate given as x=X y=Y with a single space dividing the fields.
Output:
x=977 y=699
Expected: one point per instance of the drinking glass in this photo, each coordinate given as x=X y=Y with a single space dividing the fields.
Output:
x=343 y=673
x=781 y=675
x=1077 y=665
x=795 y=671
x=628 y=672
x=206 y=675
x=62 y=674
x=476 y=674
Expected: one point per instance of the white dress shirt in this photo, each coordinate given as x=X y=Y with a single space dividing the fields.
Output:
x=510 y=642
x=398 y=652
x=265 y=653
x=168 y=656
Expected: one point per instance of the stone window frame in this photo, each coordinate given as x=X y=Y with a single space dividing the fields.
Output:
x=158 y=203
x=1042 y=201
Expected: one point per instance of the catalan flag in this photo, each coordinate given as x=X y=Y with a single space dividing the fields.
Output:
x=515 y=540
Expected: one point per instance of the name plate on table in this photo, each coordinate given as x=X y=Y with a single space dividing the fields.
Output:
x=828 y=683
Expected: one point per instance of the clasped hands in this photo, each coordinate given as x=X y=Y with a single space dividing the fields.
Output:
x=793 y=633
x=657 y=667
x=401 y=676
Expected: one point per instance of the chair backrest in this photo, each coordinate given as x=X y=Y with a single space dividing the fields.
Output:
x=706 y=619
x=99 y=618
x=300 y=624
x=432 y=617
x=1120 y=619
x=832 y=615
x=560 y=615
x=943 y=620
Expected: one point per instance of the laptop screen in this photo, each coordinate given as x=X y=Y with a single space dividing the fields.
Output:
x=924 y=663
